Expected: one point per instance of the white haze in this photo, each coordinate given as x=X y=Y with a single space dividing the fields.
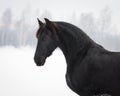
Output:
x=21 y=31
x=19 y=76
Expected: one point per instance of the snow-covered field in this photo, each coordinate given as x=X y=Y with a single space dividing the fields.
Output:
x=19 y=76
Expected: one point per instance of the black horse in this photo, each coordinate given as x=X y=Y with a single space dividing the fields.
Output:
x=91 y=69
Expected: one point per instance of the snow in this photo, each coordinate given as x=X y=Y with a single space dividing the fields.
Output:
x=19 y=75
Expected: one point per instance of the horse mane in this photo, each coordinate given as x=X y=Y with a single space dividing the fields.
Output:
x=73 y=41
x=74 y=31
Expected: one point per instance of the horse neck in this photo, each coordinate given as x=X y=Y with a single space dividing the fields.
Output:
x=73 y=42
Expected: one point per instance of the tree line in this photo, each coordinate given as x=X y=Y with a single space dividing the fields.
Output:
x=21 y=32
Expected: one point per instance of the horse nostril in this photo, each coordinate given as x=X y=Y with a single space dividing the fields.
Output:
x=39 y=61
x=36 y=61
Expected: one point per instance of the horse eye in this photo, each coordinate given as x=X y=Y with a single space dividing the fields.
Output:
x=43 y=38
x=37 y=36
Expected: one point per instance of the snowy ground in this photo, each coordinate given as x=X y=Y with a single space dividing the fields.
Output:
x=19 y=76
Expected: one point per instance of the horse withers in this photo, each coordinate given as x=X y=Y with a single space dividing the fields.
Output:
x=91 y=69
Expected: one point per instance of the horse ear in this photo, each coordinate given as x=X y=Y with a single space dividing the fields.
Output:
x=47 y=20
x=49 y=23
x=52 y=26
x=39 y=22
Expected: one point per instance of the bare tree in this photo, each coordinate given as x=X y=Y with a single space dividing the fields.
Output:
x=5 y=37
x=105 y=20
x=88 y=24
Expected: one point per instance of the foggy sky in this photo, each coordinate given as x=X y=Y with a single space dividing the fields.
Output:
x=63 y=8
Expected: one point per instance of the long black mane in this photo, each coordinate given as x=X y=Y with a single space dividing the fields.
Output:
x=74 y=31
x=74 y=41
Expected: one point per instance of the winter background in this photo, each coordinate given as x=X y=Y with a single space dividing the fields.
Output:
x=19 y=76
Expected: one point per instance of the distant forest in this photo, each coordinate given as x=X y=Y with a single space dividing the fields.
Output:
x=21 y=31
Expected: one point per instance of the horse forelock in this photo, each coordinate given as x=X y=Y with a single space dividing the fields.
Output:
x=39 y=31
x=55 y=29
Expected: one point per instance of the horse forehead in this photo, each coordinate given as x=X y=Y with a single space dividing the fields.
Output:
x=43 y=27
x=39 y=30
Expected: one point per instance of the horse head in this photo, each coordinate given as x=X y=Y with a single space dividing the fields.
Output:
x=47 y=41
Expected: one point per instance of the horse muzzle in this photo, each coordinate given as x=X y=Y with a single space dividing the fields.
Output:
x=40 y=61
